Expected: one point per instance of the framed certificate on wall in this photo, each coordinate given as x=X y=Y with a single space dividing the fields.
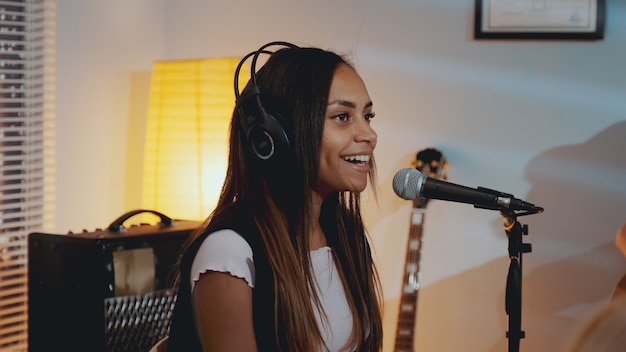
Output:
x=539 y=19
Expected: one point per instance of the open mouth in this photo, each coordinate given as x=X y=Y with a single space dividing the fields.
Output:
x=357 y=159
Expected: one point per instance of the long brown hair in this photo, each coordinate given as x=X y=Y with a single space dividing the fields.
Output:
x=294 y=85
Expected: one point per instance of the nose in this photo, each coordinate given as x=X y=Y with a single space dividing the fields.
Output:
x=365 y=133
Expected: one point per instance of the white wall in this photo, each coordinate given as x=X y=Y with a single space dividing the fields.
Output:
x=105 y=51
x=544 y=120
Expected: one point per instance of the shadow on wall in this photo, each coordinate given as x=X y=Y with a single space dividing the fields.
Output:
x=574 y=266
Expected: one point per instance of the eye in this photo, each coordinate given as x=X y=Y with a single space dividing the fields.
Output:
x=369 y=116
x=342 y=117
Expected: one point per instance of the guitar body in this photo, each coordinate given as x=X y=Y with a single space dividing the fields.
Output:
x=432 y=163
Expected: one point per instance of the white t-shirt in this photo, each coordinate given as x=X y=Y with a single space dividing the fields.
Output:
x=226 y=251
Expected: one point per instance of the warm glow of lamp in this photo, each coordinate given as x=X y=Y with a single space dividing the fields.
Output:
x=191 y=104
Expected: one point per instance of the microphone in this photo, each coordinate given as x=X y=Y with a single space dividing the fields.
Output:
x=410 y=184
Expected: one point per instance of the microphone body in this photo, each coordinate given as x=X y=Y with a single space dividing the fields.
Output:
x=410 y=184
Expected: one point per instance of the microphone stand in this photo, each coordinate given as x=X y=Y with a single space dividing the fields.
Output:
x=513 y=300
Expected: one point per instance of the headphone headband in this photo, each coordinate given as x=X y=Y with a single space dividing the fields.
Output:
x=256 y=54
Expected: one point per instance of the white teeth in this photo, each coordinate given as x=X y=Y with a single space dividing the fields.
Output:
x=360 y=158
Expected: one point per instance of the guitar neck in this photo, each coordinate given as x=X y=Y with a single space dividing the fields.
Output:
x=407 y=311
x=430 y=162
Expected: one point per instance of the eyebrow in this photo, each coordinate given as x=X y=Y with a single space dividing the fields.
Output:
x=348 y=103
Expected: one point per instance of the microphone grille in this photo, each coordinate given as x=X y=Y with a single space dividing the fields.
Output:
x=407 y=183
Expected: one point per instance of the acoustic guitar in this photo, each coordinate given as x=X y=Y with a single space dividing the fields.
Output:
x=432 y=163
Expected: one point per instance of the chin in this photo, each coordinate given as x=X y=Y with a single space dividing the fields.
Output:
x=358 y=189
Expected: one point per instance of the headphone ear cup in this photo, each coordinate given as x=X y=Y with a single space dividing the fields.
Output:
x=267 y=138
x=265 y=134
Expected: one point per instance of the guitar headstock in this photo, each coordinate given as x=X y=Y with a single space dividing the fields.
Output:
x=432 y=163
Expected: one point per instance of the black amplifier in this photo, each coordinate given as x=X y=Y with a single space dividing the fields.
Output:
x=106 y=290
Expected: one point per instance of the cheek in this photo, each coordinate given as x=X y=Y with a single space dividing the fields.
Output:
x=333 y=140
x=324 y=154
x=329 y=149
x=328 y=155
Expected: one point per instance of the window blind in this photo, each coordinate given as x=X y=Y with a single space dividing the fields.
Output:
x=27 y=150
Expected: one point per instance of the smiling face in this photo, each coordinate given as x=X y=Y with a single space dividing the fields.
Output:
x=348 y=140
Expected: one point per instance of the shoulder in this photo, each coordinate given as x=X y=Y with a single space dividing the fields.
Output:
x=224 y=251
x=224 y=240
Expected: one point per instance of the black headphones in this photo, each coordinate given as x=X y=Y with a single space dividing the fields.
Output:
x=265 y=133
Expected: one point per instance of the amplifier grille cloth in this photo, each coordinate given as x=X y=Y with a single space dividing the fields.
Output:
x=136 y=323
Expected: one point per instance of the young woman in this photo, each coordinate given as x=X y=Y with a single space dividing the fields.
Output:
x=283 y=262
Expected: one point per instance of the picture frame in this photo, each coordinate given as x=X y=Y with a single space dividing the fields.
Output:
x=539 y=19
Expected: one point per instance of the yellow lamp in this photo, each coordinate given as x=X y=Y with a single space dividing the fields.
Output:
x=191 y=104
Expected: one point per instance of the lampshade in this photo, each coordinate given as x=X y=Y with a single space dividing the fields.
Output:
x=191 y=104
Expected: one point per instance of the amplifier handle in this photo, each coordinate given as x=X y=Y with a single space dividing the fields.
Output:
x=117 y=226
